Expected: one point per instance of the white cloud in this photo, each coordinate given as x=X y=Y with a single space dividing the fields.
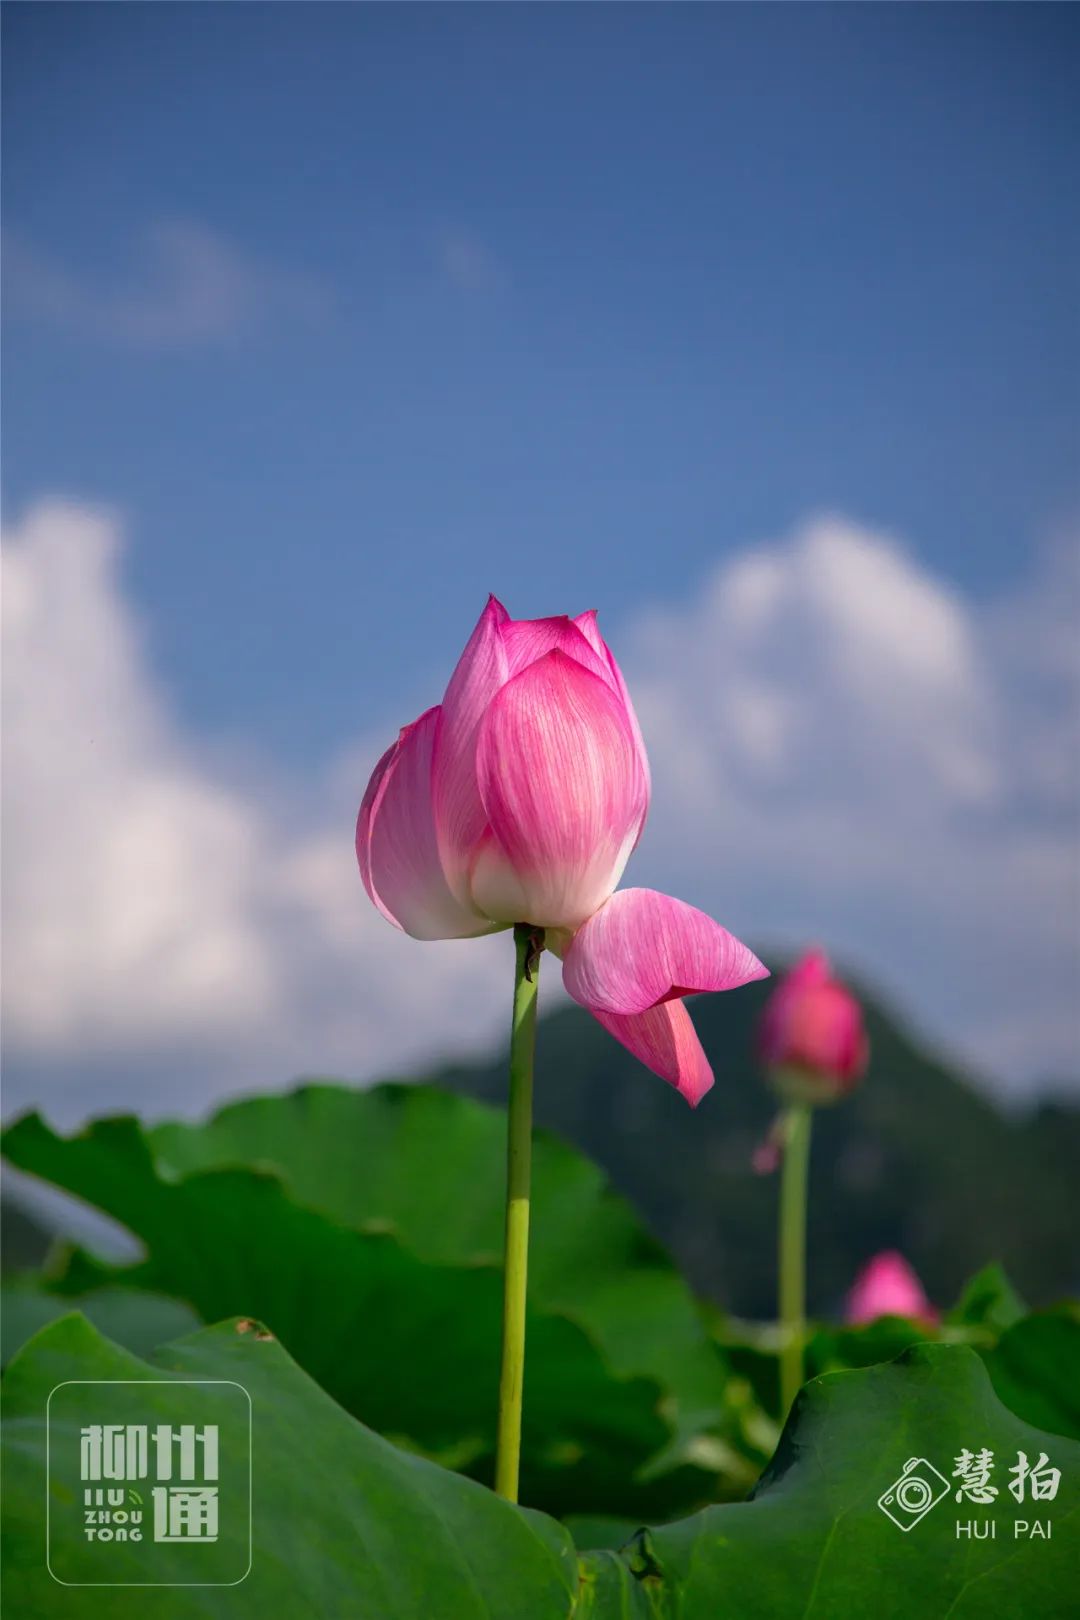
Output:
x=188 y=284
x=843 y=749
x=152 y=907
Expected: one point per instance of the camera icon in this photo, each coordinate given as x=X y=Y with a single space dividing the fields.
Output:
x=910 y=1498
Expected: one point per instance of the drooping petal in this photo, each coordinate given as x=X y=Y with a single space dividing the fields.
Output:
x=665 y=1040
x=586 y=623
x=564 y=794
x=642 y=948
x=396 y=844
x=527 y=640
x=460 y=818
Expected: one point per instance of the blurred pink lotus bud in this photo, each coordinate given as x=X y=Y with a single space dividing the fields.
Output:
x=765 y=1159
x=519 y=799
x=887 y=1286
x=811 y=1037
x=768 y=1155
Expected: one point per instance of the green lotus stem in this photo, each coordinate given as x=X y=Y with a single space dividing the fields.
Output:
x=529 y=942
x=793 y=1185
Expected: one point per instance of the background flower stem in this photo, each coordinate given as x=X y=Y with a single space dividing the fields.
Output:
x=793 y=1187
x=518 y=1165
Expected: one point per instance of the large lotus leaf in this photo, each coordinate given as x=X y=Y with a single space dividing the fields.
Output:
x=814 y=1542
x=386 y=1333
x=342 y=1523
x=429 y=1165
x=345 y=1524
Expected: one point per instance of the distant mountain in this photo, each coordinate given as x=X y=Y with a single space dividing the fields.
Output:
x=917 y=1159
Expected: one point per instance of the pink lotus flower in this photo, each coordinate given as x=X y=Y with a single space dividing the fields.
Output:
x=887 y=1286
x=811 y=1036
x=519 y=799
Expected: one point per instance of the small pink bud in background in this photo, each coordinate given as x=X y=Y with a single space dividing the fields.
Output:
x=887 y=1286
x=811 y=1037
x=766 y=1157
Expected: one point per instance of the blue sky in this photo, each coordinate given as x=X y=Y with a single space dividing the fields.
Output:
x=354 y=313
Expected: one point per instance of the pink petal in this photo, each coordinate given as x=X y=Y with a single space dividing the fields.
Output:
x=586 y=623
x=887 y=1286
x=665 y=1040
x=642 y=948
x=527 y=640
x=460 y=818
x=564 y=794
x=396 y=844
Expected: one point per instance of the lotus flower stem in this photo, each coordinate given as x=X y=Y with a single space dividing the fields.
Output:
x=793 y=1186
x=529 y=942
